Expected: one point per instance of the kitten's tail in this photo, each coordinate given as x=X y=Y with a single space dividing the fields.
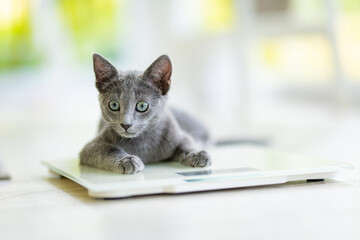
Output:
x=202 y=136
x=242 y=141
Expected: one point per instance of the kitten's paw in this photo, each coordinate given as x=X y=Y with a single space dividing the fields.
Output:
x=130 y=164
x=197 y=159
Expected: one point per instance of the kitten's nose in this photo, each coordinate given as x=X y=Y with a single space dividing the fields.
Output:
x=126 y=126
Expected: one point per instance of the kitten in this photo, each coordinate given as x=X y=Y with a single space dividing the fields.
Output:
x=137 y=127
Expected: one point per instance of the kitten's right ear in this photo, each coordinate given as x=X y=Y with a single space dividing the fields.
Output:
x=105 y=72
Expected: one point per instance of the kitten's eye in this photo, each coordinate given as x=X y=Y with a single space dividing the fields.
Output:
x=114 y=105
x=142 y=106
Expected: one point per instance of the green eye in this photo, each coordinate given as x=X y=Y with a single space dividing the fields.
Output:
x=142 y=106
x=114 y=105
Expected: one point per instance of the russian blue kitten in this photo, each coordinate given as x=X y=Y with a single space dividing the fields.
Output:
x=137 y=127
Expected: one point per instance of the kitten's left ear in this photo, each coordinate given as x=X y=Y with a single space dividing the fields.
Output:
x=159 y=73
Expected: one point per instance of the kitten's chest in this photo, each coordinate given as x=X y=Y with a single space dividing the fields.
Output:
x=149 y=151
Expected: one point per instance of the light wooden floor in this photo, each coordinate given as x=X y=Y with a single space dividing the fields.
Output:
x=44 y=206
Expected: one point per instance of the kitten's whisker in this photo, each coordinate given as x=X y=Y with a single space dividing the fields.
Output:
x=164 y=142
x=157 y=140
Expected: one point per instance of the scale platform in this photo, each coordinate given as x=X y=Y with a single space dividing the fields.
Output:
x=233 y=167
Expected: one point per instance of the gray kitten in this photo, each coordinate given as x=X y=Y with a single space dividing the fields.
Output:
x=137 y=127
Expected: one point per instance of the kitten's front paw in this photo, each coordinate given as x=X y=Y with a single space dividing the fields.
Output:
x=197 y=159
x=130 y=164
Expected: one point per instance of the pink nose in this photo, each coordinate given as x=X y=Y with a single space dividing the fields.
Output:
x=126 y=126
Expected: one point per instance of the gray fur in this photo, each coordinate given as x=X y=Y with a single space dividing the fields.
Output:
x=158 y=134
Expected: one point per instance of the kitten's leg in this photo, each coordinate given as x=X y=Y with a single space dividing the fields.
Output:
x=187 y=154
x=110 y=157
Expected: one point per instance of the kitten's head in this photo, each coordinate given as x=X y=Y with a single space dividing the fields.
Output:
x=131 y=101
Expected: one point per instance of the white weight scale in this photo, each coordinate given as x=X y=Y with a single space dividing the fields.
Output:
x=233 y=167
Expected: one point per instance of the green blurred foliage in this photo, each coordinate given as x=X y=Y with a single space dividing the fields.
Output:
x=92 y=26
x=350 y=6
x=16 y=43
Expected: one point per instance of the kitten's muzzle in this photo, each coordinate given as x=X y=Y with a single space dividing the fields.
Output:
x=125 y=126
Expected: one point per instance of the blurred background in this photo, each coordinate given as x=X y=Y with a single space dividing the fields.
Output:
x=287 y=71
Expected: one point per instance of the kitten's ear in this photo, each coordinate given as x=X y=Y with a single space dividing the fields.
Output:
x=159 y=73
x=104 y=71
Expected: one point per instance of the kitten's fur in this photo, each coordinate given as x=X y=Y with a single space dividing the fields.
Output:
x=158 y=134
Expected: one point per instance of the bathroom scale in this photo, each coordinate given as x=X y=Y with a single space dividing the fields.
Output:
x=233 y=167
